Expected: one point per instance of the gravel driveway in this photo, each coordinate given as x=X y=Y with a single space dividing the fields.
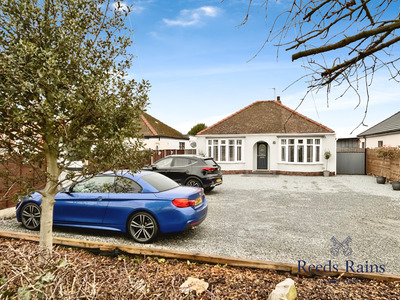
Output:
x=286 y=219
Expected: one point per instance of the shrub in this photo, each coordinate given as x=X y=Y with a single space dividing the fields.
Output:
x=388 y=152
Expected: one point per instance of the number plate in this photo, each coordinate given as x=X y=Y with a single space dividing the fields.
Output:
x=198 y=201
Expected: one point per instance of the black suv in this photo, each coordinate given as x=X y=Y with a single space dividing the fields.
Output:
x=190 y=170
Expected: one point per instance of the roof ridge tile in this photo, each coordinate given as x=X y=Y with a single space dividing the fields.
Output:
x=148 y=125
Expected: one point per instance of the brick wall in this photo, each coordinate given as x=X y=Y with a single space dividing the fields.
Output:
x=389 y=168
x=275 y=172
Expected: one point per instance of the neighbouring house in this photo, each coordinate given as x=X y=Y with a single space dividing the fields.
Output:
x=160 y=136
x=267 y=136
x=385 y=133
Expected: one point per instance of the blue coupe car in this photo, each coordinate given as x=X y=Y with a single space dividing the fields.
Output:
x=143 y=205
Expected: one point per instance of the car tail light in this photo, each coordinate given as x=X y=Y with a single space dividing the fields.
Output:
x=183 y=202
x=208 y=169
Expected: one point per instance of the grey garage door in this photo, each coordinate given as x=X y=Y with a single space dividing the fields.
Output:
x=351 y=162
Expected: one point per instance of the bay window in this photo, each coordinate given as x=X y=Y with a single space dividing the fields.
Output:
x=225 y=149
x=300 y=150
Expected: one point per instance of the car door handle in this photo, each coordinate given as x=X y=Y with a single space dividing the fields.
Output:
x=100 y=198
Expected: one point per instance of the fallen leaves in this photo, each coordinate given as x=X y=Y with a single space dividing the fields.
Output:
x=193 y=284
x=78 y=274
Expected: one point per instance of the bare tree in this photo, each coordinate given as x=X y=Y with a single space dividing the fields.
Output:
x=360 y=35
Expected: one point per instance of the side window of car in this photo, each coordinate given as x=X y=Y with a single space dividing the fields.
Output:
x=164 y=163
x=126 y=185
x=180 y=162
x=99 y=184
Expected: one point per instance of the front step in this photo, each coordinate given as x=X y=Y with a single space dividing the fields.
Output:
x=264 y=172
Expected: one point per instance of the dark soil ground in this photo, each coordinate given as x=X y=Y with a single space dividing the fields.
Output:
x=78 y=274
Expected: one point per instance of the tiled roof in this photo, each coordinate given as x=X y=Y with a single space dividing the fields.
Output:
x=389 y=125
x=151 y=127
x=266 y=117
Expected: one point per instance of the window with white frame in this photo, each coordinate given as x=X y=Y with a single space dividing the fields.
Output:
x=225 y=149
x=300 y=150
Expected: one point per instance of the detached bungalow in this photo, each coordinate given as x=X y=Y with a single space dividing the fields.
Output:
x=160 y=136
x=267 y=136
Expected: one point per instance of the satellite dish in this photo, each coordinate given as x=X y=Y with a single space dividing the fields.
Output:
x=193 y=144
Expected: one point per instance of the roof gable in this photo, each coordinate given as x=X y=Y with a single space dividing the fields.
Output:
x=151 y=126
x=391 y=124
x=266 y=117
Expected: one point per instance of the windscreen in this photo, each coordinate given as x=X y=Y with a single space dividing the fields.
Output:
x=210 y=162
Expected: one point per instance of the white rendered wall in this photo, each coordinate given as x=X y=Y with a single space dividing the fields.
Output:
x=249 y=154
x=388 y=140
x=165 y=143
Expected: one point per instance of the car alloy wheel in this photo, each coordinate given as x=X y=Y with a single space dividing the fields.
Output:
x=143 y=227
x=193 y=182
x=30 y=216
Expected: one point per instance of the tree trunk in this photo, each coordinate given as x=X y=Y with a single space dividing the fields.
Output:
x=48 y=200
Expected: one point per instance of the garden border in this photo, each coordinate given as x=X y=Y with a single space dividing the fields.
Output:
x=199 y=257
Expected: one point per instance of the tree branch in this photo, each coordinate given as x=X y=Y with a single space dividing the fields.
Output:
x=358 y=58
x=367 y=12
x=347 y=41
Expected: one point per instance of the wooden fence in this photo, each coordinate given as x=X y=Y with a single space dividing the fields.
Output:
x=15 y=176
x=389 y=168
x=158 y=154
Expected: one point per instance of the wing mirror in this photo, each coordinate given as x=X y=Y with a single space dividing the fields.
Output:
x=66 y=190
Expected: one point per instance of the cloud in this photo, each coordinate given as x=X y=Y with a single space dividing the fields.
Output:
x=192 y=17
x=120 y=6
x=138 y=6
x=138 y=9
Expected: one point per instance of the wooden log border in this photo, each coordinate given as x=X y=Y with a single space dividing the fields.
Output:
x=199 y=257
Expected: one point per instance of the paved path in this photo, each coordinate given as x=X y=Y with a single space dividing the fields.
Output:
x=288 y=219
